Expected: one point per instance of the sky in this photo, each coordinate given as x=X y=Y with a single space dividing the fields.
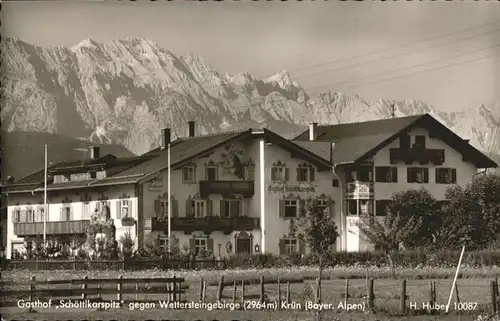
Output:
x=444 y=53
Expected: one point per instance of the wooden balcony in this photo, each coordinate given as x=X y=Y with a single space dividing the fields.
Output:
x=360 y=190
x=208 y=224
x=417 y=155
x=53 y=228
x=227 y=188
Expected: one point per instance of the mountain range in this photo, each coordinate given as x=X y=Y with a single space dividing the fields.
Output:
x=123 y=92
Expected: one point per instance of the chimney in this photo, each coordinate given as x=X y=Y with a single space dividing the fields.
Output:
x=94 y=152
x=165 y=137
x=191 y=128
x=313 y=131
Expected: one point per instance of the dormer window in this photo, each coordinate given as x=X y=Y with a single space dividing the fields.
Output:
x=66 y=177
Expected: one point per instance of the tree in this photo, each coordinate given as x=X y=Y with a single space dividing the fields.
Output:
x=316 y=227
x=423 y=207
x=472 y=217
x=388 y=233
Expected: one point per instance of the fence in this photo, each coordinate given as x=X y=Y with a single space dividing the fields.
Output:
x=90 y=291
x=170 y=264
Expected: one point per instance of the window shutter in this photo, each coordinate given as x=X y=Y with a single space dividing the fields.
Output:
x=222 y=210
x=426 y=175
x=273 y=173
x=209 y=207
x=191 y=245
x=157 y=207
x=311 y=174
x=118 y=209
x=436 y=175
x=287 y=174
x=131 y=208
x=14 y=218
x=240 y=208
x=62 y=218
x=298 y=174
x=302 y=206
x=409 y=177
x=301 y=246
x=394 y=174
x=281 y=208
x=175 y=208
x=210 y=245
x=281 y=246
x=454 y=175
x=189 y=208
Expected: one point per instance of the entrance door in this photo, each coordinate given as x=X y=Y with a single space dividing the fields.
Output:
x=243 y=246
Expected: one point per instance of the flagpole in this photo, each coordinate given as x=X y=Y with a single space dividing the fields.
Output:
x=169 y=203
x=45 y=212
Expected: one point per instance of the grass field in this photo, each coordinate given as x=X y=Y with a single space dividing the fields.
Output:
x=473 y=286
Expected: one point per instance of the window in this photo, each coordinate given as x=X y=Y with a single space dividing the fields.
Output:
x=39 y=214
x=362 y=174
x=164 y=208
x=66 y=177
x=335 y=183
x=446 y=176
x=16 y=215
x=85 y=210
x=386 y=174
x=230 y=208
x=93 y=174
x=305 y=174
x=30 y=215
x=200 y=208
x=211 y=173
x=420 y=141
x=291 y=208
x=66 y=213
x=200 y=245
x=417 y=175
x=381 y=207
x=188 y=174
x=278 y=173
x=163 y=240
x=352 y=207
x=250 y=173
x=124 y=208
x=291 y=245
x=365 y=207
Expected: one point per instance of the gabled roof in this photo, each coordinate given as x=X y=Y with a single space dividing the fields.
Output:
x=185 y=150
x=132 y=170
x=113 y=166
x=355 y=142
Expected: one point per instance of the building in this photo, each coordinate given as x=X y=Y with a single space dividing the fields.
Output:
x=236 y=192
x=230 y=193
x=375 y=159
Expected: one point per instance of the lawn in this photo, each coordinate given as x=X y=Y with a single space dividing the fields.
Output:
x=473 y=286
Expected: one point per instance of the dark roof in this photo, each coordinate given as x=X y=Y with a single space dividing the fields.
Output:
x=113 y=166
x=186 y=149
x=355 y=142
x=133 y=169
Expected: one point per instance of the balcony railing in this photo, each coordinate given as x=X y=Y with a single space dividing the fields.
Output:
x=418 y=155
x=53 y=228
x=360 y=190
x=207 y=224
x=227 y=188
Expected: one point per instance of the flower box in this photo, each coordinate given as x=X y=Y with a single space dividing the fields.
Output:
x=128 y=221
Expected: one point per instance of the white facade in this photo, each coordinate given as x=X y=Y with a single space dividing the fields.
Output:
x=464 y=172
x=69 y=212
